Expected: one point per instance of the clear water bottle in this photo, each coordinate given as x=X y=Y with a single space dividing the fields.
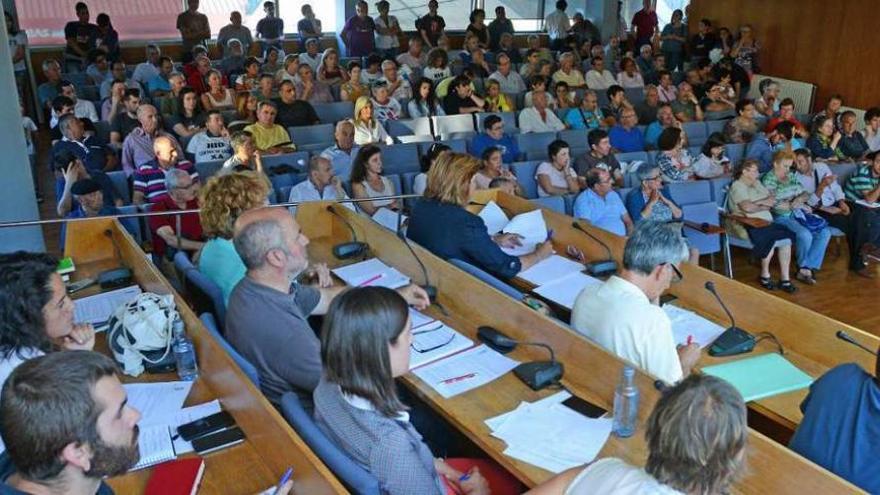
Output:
x=626 y=404
x=184 y=352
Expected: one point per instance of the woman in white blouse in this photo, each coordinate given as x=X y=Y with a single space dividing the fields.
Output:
x=556 y=177
x=367 y=181
x=366 y=129
x=629 y=76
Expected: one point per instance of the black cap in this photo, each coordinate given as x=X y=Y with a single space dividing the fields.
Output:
x=85 y=186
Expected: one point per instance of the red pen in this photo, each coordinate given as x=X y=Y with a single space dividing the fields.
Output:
x=456 y=379
x=371 y=280
x=690 y=339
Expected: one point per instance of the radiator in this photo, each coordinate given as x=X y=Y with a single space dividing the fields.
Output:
x=801 y=93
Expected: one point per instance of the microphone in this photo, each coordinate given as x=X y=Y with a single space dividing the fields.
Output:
x=536 y=374
x=429 y=289
x=601 y=268
x=352 y=249
x=848 y=338
x=734 y=340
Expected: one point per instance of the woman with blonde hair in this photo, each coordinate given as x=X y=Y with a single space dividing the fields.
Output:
x=366 y=129
x=329 y=71
x=441 y=223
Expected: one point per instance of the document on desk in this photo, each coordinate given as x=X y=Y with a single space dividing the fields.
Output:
x=154 y=446
x=564 y=291
x=389 y=218
x=761 y=376
x=550 y=269
x=530 y=226
x=689 y=324
x=99 y=308
x=372 y=272
x=465 y=371
x=549 y=435
x=158 y=403
x=433 y=341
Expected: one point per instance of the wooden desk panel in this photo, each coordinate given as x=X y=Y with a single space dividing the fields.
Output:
x=590 y=372
x=271 y=446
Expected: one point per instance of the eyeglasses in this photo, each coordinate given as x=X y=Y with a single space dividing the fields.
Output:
x=677 y=276
x=651 y=179
x=431 y=340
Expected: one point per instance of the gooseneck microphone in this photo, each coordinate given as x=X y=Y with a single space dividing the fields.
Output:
x=535 y=374
x=599 y=268
x=734 y=340
x=429 y=289
x=848 y=338
x=352 y=249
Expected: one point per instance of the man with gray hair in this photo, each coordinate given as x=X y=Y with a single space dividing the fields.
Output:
x=48 y=90
x=94 y=154
x=341 y=153
x=322 y=185
x=267 y=315
x=181 y=195
x=623 y=313
x=509 y=80
x=138 y=148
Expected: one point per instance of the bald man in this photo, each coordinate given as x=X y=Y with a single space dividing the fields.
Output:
x=267 y=315
x=149 y=179
x=137 y=149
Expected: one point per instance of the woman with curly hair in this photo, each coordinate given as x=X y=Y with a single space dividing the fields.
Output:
x=223 y=199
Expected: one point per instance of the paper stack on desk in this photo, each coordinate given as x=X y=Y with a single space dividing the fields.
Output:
x=564 y=291
x=372 y=272
x=98 y=309
x=433 y=340
x=529 y=226
x=549 y=435
x=465 y=371
x=689 y=324
x=550 y=269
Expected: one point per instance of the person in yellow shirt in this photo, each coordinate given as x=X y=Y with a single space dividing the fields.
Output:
x=496 y=101
x=269 y=137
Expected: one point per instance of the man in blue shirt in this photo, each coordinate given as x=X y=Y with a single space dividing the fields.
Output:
x=48 y=90
x=763 y=146
x=625 y=136
x=841 y=426
x=665 y=118
x=601 y=206
x=494 y=136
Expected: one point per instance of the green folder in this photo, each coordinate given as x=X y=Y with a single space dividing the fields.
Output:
x=761 y=376
x=65 y=266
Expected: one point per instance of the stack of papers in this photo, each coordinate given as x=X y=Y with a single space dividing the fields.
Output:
x=99 y=308
x=689 y=324
x=550 y=269
x=433 y=340
x=529 y=226
x=549 y=435
x=389 y=219
x=371 y=272
x=563 y=291
x=465 y=371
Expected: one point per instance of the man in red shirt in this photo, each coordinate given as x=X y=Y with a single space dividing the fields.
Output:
x=181 y=196
x=644 y=23
x=786 y=114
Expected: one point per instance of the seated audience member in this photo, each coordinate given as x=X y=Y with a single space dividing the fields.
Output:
x=139 y=146
x=790 y=201
x=539 y=118
x=117 y=72
x=365 y=346
x=245 y=111
x=223 y=199
x=509 y=79
x=872 y=128
x=94 y=154
x=82 y=108
x=190 y=119
x=505 y=185
x=99 y=68
x=717 y=106
x=88 y=198
x=599 y=156
x=149 y=178
x=181 y=194
x=269 y=137
x=665 y=120
x=322 y=184
x=622 y=314
x=616 y=104
x=149 y=68
x=371 y=72
x=749 y=204
x=340 y=154
x=824 y=141
x=530 y=67
x=68 y=425
x=268 y=311
x=565 y=97
x=367 y=130
x=115 y=104
x=763 y=146
x=441 y=224
x=217 y=95
x=697 y=438
x=123 y=122
x=245 y=156
x=666 y=90
x=601 y=206
x=743 y=127
x=385 y=107
x=438 y=65
x=51 y=88
x=828 y=200
x=212 y=143
x=249 y=80
x=852 y=143
x=495 y=137
x=650 y=200
x=170 y=103
x=629 y=76
x=626 y=137
x=588 y=115
x=831 y=111
x=686 y=107
x=61 y=106
x=266 y=91
x=492 y=168
x=398 y=87
x=271 y=58
x=599 y=78
x=292 y=111
x=496 y=101
x=673 y=158
x=309 y=89
x=424 y=102
x=645 y=61
x=311 y=56
x=233 y=60
x=197 y=79
x=426 y=161
x=838 y=430
x=68 y=170
x=367 y=181
x=712 y=162
x=462 y=98
x=768 y=103
x=538 y=84
x=647 y=108
x=864 y=183
x=786 y=114
x=568 y=72
x=413 y=58
x=556 y=177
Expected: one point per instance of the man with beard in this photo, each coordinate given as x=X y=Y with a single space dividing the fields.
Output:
x=67 y=425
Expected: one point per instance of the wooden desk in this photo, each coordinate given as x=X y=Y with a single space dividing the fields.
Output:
x=590 y=371
x=808 y=337
x=271 y=446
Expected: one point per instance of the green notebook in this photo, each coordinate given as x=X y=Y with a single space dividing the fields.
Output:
x=761 y=376
x=65 y=266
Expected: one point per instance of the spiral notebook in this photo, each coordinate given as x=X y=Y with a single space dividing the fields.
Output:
x=155 y=446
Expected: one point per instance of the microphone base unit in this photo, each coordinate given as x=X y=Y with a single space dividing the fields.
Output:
x=115 y=278
x=601 y=268
x=348 y=250
x=539 y=374
x=431 y=290
x=496 y=340
x=733 y=341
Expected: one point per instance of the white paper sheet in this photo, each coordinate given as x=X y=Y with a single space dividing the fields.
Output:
x=465 y=371
x=550 y=269
x=372 y=272
x=532 y=229
x=158 y=403
x=418 y=319
x=494 y=217
x=388 y=219
x=564 y=291
x=687 y=323
x=188 y=415
x=444 y=340
x=97 y=309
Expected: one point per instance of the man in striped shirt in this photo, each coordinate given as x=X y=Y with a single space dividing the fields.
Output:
x=149 y=179
x=864 y=183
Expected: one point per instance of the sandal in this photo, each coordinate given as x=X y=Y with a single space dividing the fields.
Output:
x=807 y=279
x=767 y=283
x=787 y=286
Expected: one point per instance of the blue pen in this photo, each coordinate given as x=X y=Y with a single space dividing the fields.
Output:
x=464 y=477
x=284 y=479
x=549 y=234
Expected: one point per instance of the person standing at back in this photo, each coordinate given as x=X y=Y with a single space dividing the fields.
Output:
x=557 y=25
x=81 y=36
x=431 y=26
x=270 y=29
x=358 y=33
x=499 y=26
x=645 y=24
x=193 y=26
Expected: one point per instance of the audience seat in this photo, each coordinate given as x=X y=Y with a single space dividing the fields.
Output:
x=421 y=126
x=574 y=138
x=488 y=278
x=447 y=124
x=421 y=138
x=630 y=179
x=457 y=145
x=623 y=191
x=91 y=93
x=208 y=169
x=204 y=294
x=131 y=224
x=102 y=131
x=249 y=369
x=635 y=95
x=282 y=194
x=713 y=126
x=701 y=213
x=400 y=158
x=735 y=151
x=696 y=133
x=463 y=135
x=121 y=186
x=719 y=187
x=299 y=160
x=311 y=134
x=508 y=118
x=690 y=192
x=554 y=203
x=534 y=144
x=331 y=113
x=525 y=175
x=79 y=79
x=280 y=181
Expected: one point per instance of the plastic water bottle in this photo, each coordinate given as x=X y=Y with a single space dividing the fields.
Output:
x=184 y=352
x=626 y=404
